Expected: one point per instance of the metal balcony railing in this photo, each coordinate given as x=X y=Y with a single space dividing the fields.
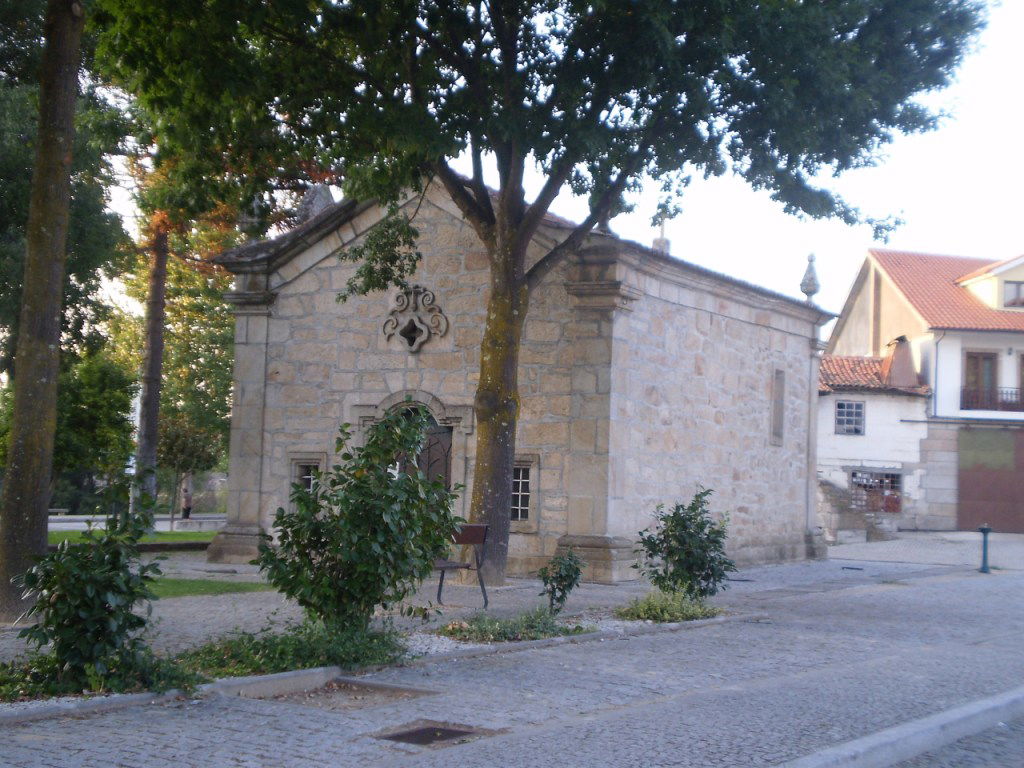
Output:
x=1001 y=399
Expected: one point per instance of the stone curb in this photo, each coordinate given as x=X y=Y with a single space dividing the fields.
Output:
x=82 y=706
x=908 y=740
x=295 y=681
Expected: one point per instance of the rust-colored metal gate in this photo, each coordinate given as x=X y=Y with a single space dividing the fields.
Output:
x=991 y=479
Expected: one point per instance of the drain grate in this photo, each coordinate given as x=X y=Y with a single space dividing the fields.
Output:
x=431 y=734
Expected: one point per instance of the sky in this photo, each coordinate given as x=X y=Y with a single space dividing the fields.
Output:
x=958 y=189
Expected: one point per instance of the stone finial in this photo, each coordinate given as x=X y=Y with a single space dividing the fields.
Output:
x=317 y=199
x=810 y=285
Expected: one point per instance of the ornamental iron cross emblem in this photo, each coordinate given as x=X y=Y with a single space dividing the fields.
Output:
x=415 y=317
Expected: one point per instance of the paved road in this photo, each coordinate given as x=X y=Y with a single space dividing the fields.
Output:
x=998 y=747
x=845 y=653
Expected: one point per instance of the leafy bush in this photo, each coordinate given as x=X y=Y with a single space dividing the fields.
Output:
x=560 y=576
x=41 y=675
x=368 y=531
x=534 y=625
x=686 y=550
x=300 y=646
x=665 y=606
x=85 y=596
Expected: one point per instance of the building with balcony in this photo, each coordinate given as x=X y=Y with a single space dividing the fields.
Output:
x=954 y=328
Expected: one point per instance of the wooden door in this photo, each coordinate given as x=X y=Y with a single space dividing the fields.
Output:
x=435 y=460
x=980 y=380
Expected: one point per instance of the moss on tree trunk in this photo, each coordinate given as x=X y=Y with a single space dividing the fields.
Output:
x=497 y=410
x=26 y=491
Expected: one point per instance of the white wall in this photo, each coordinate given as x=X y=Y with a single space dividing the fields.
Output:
x=951 y=348
x=894 y=426
x=888 y=440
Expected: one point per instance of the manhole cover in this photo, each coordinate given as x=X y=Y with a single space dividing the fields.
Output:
x=430 y=734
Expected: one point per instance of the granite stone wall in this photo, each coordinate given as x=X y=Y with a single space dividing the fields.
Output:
x=638 y=380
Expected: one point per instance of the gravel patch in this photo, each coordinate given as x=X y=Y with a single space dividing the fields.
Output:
x=429 y=644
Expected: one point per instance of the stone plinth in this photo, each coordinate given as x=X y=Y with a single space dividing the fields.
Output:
x=609 y=559
x=235 y=544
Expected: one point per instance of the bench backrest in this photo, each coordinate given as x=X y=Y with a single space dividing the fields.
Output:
x=472 y=533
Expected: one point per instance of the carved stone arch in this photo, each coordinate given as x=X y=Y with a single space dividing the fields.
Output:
x=458 y=417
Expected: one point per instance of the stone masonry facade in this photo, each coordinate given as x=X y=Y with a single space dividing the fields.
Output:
x=640 y=377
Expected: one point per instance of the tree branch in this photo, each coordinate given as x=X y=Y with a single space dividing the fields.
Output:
x=550 y=260
x=456 y=188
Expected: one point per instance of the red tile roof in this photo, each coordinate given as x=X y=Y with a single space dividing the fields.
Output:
x=847 y=373
x=929 y=283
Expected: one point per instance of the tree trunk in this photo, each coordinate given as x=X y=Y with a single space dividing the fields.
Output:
x=26 y=490
x=152 y=361
x=497 y=410
x=174 y=499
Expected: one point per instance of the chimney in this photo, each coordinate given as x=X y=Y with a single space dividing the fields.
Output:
x=898 y=366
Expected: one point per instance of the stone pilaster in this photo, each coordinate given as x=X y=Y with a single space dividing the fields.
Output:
x=814 y=538
x=238 y=541
x=599 y=293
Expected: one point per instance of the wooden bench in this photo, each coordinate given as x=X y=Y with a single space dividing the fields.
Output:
x=470 y=533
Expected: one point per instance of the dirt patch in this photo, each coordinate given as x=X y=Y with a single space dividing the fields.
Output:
x=344 y=696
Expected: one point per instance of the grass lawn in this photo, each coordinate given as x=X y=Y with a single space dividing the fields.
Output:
x=170 y=537
x=188 y=587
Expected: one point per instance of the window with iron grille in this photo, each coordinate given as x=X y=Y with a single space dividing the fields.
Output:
x=876 y=491
x=520 y=492
x=305 y=474
x=849 y=417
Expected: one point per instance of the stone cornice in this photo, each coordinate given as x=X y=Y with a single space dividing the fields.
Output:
x=249 y=300
x=602 y=294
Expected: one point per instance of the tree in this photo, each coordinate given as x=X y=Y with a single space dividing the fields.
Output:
x=93 y=439
x=26 y=489
x=198 y=335
x=598 y=95
x=96 y=238
x=184 y=448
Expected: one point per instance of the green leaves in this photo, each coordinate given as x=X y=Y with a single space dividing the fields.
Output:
x=685 y=553
x=367 y=532
x=560 y=576
x=86 y=596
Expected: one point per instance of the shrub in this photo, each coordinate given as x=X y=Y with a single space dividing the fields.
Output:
x=686 y=550
x=534 y=625
x=560 y=576
x=665 y=606
x=85 y=595
x=300 y=646
x=41 y=675
x=368 y=531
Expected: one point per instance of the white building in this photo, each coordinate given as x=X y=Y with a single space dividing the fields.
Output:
x=963 y=321
x=872 y=417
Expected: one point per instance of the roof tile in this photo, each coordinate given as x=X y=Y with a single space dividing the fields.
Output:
x=929 y=282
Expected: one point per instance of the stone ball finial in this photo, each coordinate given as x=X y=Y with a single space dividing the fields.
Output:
x=810 y=285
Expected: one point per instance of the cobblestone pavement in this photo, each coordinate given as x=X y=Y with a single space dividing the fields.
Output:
x=185 y=622
x=843 y=654
x=998 y=747
x=962 y=548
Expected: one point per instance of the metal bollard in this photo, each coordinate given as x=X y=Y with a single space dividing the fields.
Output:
x=985 y=529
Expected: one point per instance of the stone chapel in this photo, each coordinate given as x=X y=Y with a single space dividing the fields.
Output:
x=641 y=377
